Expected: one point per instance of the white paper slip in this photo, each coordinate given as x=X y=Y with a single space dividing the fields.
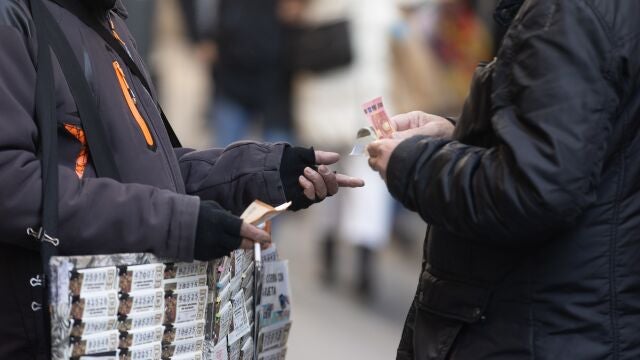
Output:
x=179 y=270
x=240 y=320
x=191 y=356
x=96 y=344
x=234 y=348
x=238 y=262
x=223 y=297
x=86 y=281
x=224 y=268
x=275 y=302
x=141 y=320
x=224 y=281
x=273 y=336
x=141 y=277
x=235 y=284
x=183 y=331
x=141 y=336
x=116 y=356
x=143 y=352
x=185 y=282
x=246 y=351
x=183 y=347
x=223 y=321
x=220 y=350
x=141 y=301
x=186 y=305
x=270 y=254
x=98 y=305
x=363 y=138
x=275 y=354
x=93 y=326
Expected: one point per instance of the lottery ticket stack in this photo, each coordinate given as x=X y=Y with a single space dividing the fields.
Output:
x=139 y=307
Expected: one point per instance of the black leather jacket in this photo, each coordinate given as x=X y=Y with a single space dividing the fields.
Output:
x=534 y=206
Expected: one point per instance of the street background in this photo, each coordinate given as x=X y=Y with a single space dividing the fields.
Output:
x=420 y=56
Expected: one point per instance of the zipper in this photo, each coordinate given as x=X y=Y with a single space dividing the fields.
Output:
x=114 y=32
x=132 y=102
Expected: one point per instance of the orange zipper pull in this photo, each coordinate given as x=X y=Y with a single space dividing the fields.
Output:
x=114 y=32
x=124 y=79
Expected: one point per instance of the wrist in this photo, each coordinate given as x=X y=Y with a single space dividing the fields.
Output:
x=294 y=161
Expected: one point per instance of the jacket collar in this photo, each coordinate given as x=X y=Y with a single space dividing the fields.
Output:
x=506 y=11
x=117 y=8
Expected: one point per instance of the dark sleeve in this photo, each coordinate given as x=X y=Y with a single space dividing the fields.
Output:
x=200 y=18
x=553 y=130
x=96 y=215
x=235 y=176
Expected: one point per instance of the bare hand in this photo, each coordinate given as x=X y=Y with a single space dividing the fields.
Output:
x=379 y=153
x=420 y=123
x=252 y=234
x=319 y=184
x=207 y=52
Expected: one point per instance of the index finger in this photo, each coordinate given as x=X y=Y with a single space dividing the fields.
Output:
x=349 y=181
x=326 y=157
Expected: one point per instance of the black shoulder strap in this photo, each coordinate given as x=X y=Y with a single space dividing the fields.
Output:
x=91 y=20
x=48 y=150
x=48 y=30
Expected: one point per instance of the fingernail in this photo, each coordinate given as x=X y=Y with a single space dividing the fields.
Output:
x=308 y=171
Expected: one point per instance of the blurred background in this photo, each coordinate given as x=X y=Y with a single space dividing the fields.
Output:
x=298 y=71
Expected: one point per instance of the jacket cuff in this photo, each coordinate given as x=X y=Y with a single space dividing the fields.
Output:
x=274 y=186
x=401 y=166
x=182 y=230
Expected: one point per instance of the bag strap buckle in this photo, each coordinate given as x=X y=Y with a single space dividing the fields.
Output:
x=41 y=235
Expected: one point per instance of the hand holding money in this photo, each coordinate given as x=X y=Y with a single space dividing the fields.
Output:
x=379 y=154
x=420 y=123
x=378 y=118
x=381 y=126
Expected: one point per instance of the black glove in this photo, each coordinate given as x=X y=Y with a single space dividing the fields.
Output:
x=217 y=233
x=294 y=160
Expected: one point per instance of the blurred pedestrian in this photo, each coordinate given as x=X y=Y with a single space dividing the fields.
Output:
x=532 y=196
x=246 y=44
x=327 y=112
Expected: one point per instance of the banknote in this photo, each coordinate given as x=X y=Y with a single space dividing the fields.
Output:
x=378 y=118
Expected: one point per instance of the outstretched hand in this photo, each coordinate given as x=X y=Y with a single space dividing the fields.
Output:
x=319 y=184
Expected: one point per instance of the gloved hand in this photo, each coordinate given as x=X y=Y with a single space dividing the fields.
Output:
x=219 y=232
x=307 y=179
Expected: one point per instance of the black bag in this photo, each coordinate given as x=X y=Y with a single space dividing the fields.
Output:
x=321 y=47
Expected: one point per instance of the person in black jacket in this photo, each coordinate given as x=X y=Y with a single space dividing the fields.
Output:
x=247 y=46
x=533 y=197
